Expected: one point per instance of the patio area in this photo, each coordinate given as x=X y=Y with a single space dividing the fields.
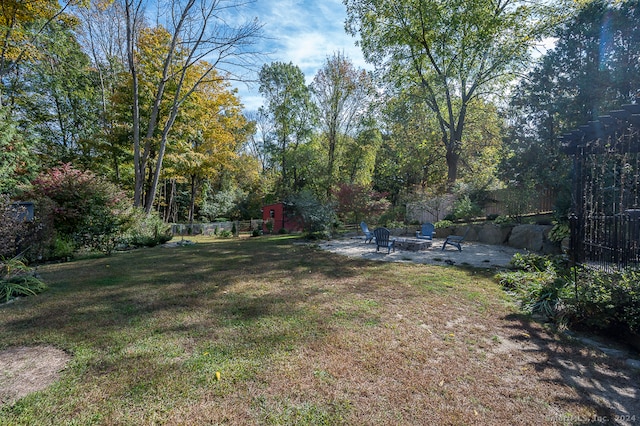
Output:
x=472 y=254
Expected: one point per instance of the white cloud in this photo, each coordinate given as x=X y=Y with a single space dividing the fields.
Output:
x=303 y=32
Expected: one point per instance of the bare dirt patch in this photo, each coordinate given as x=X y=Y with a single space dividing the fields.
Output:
x=24 y=370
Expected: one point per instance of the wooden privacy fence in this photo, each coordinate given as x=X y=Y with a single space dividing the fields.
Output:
x=522 y=202
x=506 y=201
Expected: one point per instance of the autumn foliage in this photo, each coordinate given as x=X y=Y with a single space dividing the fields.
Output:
x=358 y=202
x=77 y=209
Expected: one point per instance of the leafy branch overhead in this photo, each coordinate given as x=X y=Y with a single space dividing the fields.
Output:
x=454 y=52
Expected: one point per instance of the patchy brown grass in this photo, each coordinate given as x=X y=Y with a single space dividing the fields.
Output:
x=299 y=336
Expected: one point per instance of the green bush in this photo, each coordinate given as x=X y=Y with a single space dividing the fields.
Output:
x=63 y=248
x=599 y=301
x=609 y=301
x=530 y=262
x=537 y=285
x=393 y=216
x=394 y=224
x=17 y=279
x=464 y=209
x=225 y=233
x=560 y=231
x=443 y=224
x=145 y=230
x=503 y=220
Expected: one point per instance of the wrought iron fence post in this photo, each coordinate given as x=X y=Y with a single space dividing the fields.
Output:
x=575 y=249
x=633 y=244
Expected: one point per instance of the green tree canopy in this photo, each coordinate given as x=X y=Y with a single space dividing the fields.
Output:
x=454 y=51
x=290 y=109
x=593 y=68
x=343 y=95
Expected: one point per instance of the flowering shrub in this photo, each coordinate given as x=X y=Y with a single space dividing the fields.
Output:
x=78 y=207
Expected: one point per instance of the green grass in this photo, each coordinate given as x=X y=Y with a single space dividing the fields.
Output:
x=298 y=335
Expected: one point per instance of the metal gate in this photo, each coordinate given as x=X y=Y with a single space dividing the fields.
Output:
x=605 y=221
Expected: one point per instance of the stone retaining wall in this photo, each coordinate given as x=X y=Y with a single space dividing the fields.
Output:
x=534 y=238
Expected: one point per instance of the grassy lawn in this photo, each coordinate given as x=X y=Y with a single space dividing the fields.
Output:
x=298 y=336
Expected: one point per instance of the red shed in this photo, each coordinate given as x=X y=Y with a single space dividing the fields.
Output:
x=281 y=217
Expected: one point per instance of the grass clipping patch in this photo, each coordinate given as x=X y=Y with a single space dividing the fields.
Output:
x=24 y=370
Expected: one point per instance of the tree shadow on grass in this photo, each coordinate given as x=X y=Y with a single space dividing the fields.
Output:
x=602 y=383
x=189 y=290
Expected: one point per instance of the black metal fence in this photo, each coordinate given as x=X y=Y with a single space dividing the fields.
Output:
x=605 y=223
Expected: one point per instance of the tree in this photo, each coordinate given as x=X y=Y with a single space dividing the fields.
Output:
x=101 y=31
x=288 y=104
x=57 y=99
x=342 y=94
x=209 y=148
x=455 y=51
x=358 y=202
x=411 y=159
x=592 y=69
x=258 y=143
x=197 y=29
x=21 y=24
x=17 y=162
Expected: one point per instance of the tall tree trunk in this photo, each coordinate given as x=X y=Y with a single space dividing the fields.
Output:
x=332 y=136
x=192 y=203
x=139 y=166
x=452 y=167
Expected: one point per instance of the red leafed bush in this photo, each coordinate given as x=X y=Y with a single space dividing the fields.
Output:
x=358 y=202
x=79 y=209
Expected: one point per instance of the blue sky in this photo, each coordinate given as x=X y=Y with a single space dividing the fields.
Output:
x=304 y=32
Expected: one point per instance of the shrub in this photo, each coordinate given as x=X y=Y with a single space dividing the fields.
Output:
x=560 y=231
x=80 y=207
x=503 y=220
x=537 y=285
x=609 y=301
x=465 y=209
x=599 y=301
x=16 y=279
x=317 y=217
x=144 y=229
x=225 y=233
x=443 y=224
x=62 y=248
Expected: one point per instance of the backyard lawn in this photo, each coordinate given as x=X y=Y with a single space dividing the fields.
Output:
x=272 y=331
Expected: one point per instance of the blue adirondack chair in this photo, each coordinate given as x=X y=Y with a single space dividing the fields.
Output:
x=426 y=232
x=368 y=235
x=382 y=236
x=456 y=240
